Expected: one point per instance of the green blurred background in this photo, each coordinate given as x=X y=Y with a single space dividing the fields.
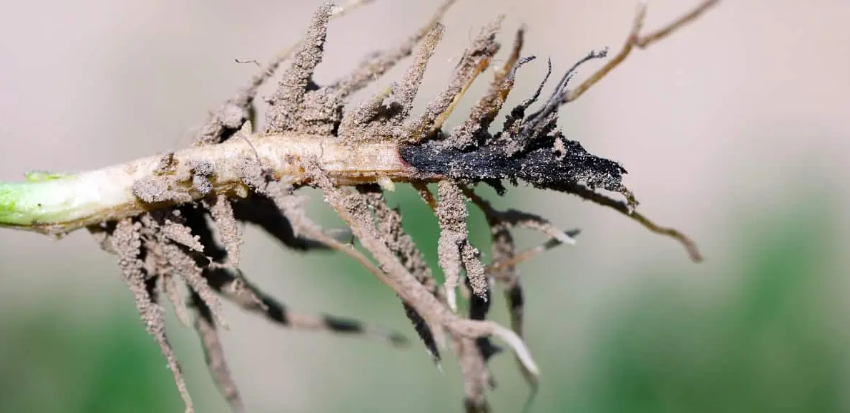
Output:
x=733 y=131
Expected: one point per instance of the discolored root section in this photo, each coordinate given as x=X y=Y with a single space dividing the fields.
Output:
x=214 y=355
x=388 y=222
x=505 y=258
x=175 y=221
x=470 y=335
x=230 y=283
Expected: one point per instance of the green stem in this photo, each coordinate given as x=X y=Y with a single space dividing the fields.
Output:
x=57 y=204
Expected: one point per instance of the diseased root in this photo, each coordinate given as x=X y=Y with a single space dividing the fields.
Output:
x=314 y=137
x=214 y=355
x=388 y=223
x=352 y=208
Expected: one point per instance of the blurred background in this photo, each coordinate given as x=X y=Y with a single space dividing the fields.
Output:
x=733 y=130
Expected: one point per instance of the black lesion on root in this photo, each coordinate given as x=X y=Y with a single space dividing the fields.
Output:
x=259 y=210
x=232 y=284
x=541 y=165
x=529 y=147
x=478 y=309
x=516 y=300
x=424 y=331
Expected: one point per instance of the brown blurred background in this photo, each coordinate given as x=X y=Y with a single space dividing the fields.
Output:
x=733 y=130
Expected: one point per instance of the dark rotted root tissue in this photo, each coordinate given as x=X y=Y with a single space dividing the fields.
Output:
x=542 y=166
